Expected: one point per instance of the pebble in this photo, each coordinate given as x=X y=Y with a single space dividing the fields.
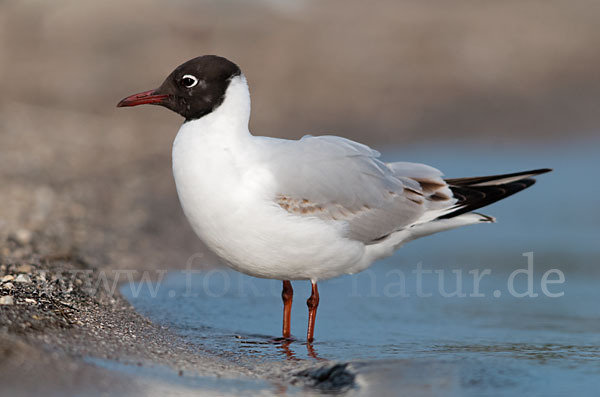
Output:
x=24 y=268
x=23 y=236
x=22 y=278
x=29 y=300
x=8 y=286
x=6 y=300
x=8 y=277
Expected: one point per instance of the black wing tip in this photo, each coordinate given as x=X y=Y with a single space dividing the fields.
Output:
x=471 y=198
x=469 y=181
x=476 y=192
x=485 y=218
x=540 y=171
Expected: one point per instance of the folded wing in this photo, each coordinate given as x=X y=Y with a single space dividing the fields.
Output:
x=336 y=179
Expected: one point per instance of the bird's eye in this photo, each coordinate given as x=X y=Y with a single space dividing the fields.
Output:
x=189 y=81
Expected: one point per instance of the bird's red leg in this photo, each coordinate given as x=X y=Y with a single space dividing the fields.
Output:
x=312 y=303
x=287 y=294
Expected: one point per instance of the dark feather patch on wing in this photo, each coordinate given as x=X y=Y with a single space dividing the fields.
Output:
x=477 y=192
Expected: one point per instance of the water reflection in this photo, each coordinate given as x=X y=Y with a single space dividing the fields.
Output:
x=260 y=346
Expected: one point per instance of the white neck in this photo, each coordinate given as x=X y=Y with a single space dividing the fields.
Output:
x=204 y=142
x=232 y=116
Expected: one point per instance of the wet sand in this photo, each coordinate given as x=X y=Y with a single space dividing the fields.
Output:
x=57 y=319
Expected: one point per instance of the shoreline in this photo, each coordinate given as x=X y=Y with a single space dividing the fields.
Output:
x=98 y=343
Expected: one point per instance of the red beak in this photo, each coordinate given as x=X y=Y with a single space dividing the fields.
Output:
x=143 y=98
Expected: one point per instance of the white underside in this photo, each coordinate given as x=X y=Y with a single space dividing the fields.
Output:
x=227 y=187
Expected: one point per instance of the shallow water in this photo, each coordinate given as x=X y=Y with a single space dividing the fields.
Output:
x=402 y=333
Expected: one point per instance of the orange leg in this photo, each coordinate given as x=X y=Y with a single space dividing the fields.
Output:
x=287 y=294
x=312 y=303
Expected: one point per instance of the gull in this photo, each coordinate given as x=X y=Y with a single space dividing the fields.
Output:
x=308 y=209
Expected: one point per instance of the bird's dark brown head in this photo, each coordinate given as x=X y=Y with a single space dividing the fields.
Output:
x=193 y=89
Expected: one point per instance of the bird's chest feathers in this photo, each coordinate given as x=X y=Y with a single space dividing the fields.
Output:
x=217 y=182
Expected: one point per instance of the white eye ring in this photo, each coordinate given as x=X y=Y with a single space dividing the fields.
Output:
x=190 y=85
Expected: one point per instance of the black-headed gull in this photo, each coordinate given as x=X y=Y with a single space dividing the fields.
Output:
x=307 y=209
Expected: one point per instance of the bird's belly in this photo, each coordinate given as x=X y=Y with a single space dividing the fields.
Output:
x=253 y=235
x=263 y=242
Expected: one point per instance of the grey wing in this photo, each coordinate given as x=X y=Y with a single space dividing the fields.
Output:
x=337 y=179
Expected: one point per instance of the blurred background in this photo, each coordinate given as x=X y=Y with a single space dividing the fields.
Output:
x=80 y=177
